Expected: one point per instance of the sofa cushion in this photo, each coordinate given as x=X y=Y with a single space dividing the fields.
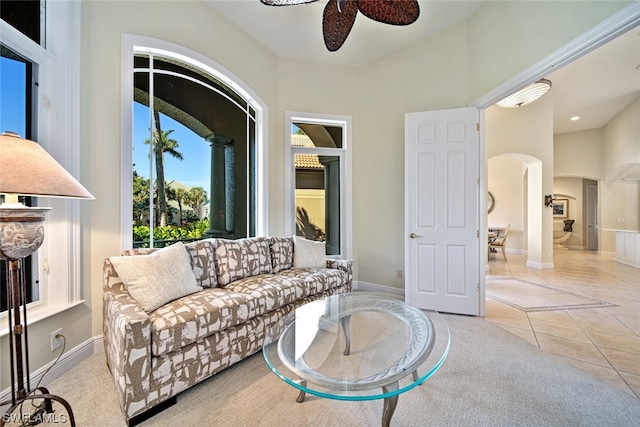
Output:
x=202 y=254
x=194 y=317
x=271 y=291
x=318 y=280
x=155 y=279
x=281 y=253
x=237 y=259
x=307 y=253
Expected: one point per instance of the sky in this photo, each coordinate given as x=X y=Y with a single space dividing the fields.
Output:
x=12 y=96
x=193 y=171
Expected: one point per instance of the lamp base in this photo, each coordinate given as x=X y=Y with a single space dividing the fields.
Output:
x=43 y=414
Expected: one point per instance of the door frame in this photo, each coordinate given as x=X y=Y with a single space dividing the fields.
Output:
x=607 y=30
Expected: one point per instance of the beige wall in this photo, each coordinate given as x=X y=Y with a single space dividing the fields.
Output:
x=447 y=71
x=507 y=37
x=505 y=181
x=434 y=74
x=602 y=155
x=526 y=134
x=579 y=154
x=622 y=136
x=191 y=24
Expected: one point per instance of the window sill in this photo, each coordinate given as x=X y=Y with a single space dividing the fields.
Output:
x=37 y=314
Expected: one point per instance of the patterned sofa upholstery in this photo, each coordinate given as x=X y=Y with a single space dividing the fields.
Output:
x=248 y=286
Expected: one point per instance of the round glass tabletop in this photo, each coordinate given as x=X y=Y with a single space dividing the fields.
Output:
x=357 y=346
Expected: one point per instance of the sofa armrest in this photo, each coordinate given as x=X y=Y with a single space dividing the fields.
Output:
x=341 y=264
x=127 y=345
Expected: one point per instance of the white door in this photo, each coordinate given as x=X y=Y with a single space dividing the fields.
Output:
x=442 y=254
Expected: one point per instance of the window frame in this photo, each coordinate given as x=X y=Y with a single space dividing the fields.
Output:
x=57 y=130
x=345 y=155
x=131 y=44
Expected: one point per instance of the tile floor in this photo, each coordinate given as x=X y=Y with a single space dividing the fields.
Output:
x=603 y=341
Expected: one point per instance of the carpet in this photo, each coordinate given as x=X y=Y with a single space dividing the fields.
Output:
x=528 y=296
x=490 y=378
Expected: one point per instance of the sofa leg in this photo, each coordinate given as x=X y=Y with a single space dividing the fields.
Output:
x=151 y=412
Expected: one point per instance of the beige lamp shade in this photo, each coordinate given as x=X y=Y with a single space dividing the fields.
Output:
x=27 y=169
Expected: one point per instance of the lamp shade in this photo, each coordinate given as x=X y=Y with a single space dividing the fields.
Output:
x=27 y=169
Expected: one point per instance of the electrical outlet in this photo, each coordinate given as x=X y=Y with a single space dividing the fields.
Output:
x=398 y=274
x=56 y=339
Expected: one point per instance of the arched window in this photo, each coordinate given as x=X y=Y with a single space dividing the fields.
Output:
x=196 y=149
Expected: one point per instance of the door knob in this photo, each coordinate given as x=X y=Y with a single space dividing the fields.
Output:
x=414 y=235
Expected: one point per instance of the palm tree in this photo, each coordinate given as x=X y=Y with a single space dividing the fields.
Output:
x=162 y=144
x=180 y=196
x=196 y=197
x=307 y=229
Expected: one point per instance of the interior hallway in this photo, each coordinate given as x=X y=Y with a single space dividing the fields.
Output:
x=603 y=341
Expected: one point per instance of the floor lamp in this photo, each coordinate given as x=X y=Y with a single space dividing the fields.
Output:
x=26 y=169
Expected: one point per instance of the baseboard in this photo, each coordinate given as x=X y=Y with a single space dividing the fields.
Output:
x=374 y=287
x=540 y=265
x=68 y=360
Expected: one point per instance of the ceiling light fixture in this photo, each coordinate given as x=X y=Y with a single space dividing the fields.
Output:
x=340 y=15
x=574 y=118
x=527 y=95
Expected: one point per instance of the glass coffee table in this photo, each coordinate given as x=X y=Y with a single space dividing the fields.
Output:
x=357 y=346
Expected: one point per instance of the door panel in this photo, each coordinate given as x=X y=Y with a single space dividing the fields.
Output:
x=442 y=215
x=592 y=218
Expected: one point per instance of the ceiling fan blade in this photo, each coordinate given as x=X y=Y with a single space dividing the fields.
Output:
x=285 y=2
x=336 y=23
x=394 y=12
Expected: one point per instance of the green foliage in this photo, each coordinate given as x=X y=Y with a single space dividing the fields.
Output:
x=190 y=231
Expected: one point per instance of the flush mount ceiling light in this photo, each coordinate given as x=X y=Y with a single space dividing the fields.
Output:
x=527 y=95
x=339 y=15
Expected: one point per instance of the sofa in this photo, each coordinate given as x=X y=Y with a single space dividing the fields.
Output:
x=176 y=316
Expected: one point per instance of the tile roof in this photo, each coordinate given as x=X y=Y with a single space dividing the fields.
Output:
x=305 y=161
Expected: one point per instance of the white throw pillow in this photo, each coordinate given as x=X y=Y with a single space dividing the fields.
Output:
x=308 y=254
x=155 y=279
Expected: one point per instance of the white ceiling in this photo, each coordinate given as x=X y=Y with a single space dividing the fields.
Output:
x=595 y=87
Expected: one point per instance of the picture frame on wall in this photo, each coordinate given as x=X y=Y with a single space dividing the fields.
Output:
x=561 y=208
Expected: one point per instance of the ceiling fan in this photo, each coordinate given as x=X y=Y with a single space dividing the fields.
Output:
x=339 y=15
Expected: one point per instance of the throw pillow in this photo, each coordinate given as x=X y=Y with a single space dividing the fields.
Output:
x=281 y=253
x=157 y=278
x=308 y=254
x=237 y=259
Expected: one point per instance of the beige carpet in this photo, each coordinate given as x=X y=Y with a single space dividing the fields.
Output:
x=528 y=296
x=491 y=378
